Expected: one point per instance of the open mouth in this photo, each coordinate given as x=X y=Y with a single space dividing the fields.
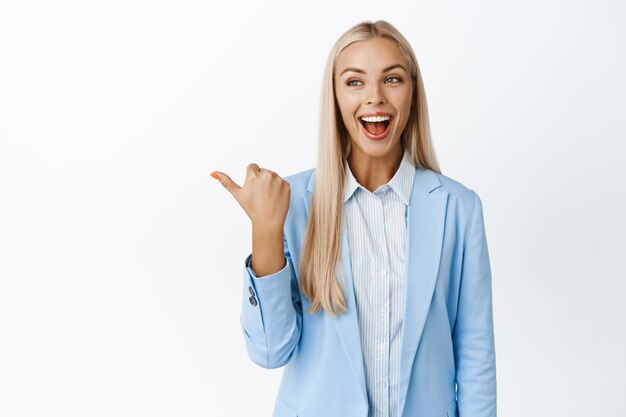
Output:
x=376 y=128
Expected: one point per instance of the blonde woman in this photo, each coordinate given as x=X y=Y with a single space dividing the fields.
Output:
x=369 y=277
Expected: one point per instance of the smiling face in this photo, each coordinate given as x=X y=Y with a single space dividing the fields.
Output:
x=372 y=78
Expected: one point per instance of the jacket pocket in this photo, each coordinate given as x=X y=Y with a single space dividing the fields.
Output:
x=452 y=409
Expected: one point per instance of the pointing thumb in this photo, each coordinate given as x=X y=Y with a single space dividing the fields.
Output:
x=226 y=181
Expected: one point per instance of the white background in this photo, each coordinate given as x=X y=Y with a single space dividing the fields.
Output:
x=121 y=260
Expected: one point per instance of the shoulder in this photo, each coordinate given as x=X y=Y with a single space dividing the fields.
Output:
x=461 y=197
x=299 y=202
x=299 y=180
x=456 y=188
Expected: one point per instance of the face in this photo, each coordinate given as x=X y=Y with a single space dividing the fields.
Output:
x=372 y=78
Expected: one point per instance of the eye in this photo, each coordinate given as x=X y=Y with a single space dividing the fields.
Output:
x=350 y=82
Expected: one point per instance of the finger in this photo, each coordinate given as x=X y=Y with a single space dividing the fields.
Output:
x=264 y=170
x=227 y=182
x=252 y=169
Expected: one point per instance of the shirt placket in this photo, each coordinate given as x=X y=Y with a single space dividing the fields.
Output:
x=382 y=272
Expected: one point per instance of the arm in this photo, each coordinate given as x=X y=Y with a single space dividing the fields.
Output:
x=473 y=335
x=271 y=313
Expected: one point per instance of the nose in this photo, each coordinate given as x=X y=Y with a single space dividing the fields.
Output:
x=375 y=95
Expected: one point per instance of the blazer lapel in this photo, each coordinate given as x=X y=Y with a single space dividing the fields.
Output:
x=426 y=215
x=425 y=226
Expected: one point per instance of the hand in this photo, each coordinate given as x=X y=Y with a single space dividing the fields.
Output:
x=264 y=196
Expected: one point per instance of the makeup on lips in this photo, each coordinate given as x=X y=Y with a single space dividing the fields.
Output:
x=376 y=126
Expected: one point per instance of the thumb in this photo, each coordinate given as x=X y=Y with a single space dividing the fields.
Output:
x=227 y=182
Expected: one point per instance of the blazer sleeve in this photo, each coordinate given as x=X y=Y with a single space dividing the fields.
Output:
x=473 y=335
x=271 y=314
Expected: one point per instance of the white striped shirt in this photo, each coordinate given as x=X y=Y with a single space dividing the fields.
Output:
x=376 y=225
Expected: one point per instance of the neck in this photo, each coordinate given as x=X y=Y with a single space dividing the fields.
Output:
x=371 y=171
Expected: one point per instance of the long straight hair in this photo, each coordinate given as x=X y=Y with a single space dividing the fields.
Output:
x=320 y=258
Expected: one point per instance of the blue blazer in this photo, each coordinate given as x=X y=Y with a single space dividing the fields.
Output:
x=447 y=362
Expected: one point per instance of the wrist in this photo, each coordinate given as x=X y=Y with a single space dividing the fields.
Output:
x=268 y=229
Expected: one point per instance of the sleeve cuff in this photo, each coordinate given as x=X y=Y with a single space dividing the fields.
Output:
x=264 y=277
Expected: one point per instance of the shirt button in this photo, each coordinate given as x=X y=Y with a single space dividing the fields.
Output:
x=381 y=347
x=381 y=309
x=382 y=385
x=383 y=272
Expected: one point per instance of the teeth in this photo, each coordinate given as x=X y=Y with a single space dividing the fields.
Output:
x=375 y=118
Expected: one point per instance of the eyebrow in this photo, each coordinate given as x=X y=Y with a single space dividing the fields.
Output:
x=389 y=68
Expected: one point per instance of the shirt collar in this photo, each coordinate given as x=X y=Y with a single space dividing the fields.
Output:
x=401 y=183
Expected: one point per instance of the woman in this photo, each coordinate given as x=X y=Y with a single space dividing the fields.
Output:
x=369 y=277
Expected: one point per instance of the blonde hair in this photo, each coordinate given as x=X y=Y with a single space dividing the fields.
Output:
x=320 y=257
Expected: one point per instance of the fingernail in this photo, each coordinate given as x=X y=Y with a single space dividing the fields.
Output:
x=215 y=175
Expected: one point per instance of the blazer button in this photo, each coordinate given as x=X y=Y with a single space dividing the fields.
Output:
x=252 y=300
x=250 y=289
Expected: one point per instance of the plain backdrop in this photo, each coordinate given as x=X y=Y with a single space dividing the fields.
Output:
x=121 y=259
